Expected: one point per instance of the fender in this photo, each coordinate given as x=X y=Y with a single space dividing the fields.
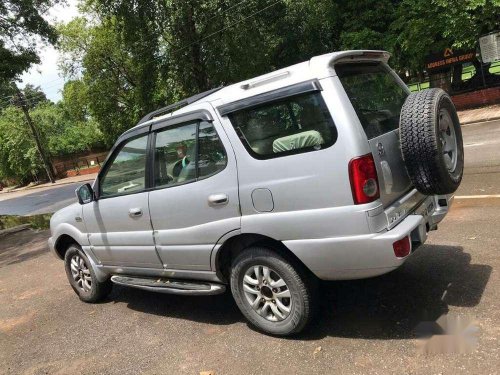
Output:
x=220 y=242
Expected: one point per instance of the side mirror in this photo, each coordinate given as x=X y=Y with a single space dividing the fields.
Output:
x=85 y=194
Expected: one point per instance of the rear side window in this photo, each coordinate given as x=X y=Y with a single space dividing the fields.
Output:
x=375 y=93
x=292 y=125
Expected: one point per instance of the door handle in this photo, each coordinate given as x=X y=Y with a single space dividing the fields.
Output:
x=218 y=199
x=135 y=212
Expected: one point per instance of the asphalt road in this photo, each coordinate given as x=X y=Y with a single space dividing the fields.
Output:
x=364 y=326
x=477 y=136
x=40 y=202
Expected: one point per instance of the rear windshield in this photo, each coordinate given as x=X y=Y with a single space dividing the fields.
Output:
x=375 y=93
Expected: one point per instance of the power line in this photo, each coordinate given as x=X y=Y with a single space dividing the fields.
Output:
x=227 y=10
x=227 y=27
x=41 y=94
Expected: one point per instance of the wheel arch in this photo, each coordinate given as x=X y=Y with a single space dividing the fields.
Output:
x=238 y=243
x=63 y=242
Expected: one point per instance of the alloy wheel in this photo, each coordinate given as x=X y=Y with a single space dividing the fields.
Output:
x=81 y=273
x=267 y=293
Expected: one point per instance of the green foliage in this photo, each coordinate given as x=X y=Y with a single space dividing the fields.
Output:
x=18 y=157
x=20 y=22
x=117 y=87
x=423 y=26
x=129 y=57
x=64 y=129
x=35 y=221
x=62 y=133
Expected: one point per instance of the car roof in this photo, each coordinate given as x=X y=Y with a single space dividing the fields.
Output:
x=317 y=67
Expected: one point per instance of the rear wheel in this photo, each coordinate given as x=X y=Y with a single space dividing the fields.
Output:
x=274 y=295
x=82 y=278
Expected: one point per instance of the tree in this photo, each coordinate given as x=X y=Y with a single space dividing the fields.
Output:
x=19 y=159
x=22 y=102
x=63 y=133
x=21 y=22
x=423 y=26
x=112 y=76
x=21 y=26
x=63 y=129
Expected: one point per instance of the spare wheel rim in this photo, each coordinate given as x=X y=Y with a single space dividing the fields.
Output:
x=448 y=139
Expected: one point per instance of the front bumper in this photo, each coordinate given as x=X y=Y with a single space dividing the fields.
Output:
x=368 y=255
x=52 y=247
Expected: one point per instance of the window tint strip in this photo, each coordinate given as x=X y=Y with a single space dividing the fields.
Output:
x=299 y=88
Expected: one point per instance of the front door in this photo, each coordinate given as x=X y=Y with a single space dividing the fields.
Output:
x=195 y=197
x=119 y=223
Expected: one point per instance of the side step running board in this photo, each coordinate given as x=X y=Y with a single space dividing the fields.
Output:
x=162 y=285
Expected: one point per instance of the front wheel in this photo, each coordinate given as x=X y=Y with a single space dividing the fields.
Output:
x=274 y=295
x=82 y=278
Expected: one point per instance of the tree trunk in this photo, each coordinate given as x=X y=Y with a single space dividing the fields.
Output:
x=21 y=103
x=200 y=76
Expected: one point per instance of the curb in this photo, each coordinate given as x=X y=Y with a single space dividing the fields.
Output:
x=481 y=120
x=15 y=229
x=42 y=187
x=56 y=184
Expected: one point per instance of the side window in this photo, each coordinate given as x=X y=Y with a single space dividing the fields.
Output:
x=297 y=124
x=179 y=159
x=127 y=171
x=175 y=155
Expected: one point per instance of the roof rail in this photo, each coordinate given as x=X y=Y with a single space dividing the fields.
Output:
x=171 y=107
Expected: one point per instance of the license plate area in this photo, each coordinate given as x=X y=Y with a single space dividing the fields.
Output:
x=426 y=208
x=419 y=234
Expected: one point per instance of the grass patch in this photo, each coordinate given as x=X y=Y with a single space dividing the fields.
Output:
x=35 y=221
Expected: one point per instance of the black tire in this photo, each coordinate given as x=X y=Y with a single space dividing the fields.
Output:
x=98 y=290
x=432 y=168
x=302 y=288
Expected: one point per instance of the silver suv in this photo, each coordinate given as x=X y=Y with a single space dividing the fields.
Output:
x=329 y=169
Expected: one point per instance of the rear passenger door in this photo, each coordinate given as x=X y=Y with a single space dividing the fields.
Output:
x=194 y=201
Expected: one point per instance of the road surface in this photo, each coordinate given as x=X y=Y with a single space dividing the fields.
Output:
x=40 y=202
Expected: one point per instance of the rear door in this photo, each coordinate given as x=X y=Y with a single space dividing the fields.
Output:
x=377 y=95
x=195 y=200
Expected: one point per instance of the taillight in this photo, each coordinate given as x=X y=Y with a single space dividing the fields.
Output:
x=402 y=247
x=364 y=180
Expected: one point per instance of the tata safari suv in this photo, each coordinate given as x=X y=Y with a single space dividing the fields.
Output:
x=329 y=169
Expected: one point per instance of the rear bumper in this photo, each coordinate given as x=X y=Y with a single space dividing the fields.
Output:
x=368 y=255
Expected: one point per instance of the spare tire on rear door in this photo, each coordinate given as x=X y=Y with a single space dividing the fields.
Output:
x=431 y=142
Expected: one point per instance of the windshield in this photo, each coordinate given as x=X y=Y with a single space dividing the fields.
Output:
x=375 y=93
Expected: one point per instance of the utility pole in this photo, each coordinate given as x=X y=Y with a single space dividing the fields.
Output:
x=20 y=101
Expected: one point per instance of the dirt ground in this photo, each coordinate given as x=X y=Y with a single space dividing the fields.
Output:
x=364 y=326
